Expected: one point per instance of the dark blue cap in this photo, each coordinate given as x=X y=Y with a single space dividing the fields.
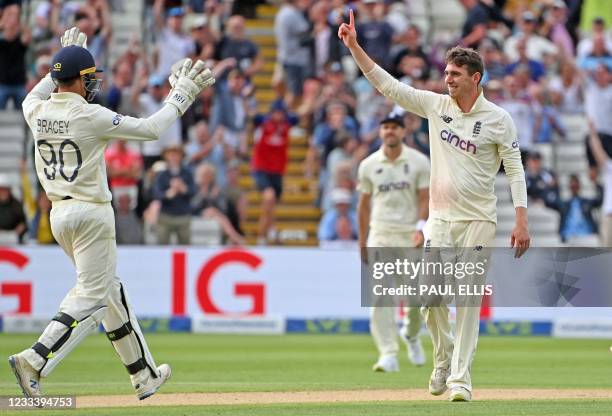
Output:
x=394 y=118
x=72 y=61
x=278 y=105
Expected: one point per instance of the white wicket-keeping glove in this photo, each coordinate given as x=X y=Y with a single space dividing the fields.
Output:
x=74 y=36
x=189 y=81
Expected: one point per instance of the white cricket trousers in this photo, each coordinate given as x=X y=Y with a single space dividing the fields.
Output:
x=86 y=233
x=456 y=354
x=383 y=326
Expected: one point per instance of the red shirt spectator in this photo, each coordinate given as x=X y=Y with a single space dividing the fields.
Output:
x=124 y=165
x=272 y=140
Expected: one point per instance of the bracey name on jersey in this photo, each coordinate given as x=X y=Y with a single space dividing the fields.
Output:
x=52 y=126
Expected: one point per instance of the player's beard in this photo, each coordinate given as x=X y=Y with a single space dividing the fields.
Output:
x=392 y=143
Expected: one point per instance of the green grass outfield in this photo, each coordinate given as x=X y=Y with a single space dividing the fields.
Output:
x=225 y=363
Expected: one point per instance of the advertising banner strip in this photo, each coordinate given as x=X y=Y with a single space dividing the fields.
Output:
x=269 y=325
x=589 y=328
x=328 y=326
x=516 y=328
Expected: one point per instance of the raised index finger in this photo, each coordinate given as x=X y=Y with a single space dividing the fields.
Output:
x=351 y=19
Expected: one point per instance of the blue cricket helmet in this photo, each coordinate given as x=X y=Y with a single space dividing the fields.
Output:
x=74 y=61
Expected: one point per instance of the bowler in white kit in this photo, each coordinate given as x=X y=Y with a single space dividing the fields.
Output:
x=469 y=137
x=393 y=196
x=70 y=136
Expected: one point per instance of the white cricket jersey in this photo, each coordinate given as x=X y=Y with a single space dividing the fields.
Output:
x=70 y=136
x=465 y=149
x=394 y=186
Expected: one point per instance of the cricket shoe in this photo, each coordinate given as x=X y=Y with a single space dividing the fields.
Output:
x=387 y=364
x=149 y=385
x=460 y=394
x=27 y=376
x=416 y=354
x=437 y=381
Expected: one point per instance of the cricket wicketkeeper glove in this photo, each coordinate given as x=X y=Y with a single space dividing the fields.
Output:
x=74 y=36
x=188 y=80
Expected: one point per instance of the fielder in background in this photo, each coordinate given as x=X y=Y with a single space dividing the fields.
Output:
x=70 y=136
x=469 y=137
x=393 y=204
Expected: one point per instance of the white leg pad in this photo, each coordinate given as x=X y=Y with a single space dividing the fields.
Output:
x=87 y=326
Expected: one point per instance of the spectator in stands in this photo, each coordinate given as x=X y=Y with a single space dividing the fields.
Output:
x=475 y=26
x=233 y=114
x=553 y=27
x=410 y=45
x=494 y=61
x=600 y=54
x=605 y=165
x=208 y=148
x=598 y=29
x=542 y=185
x=343 y=177
x=269 y=162
x=517 y=104
x=375 y=35
x=174 y=188
x=234 y=44
x=128 y=228
x=123 y=74
x=124 y=168
x=14 y=41
x=346 y=149
x=150 y=102
x=577 y=225
x=537 y=46
x=93 y=19
x=416 y=137
x=42 y=67
x=210 y=201
x=598 y=107
x=569 y=85
x=337 y=123
x=172 y=43
x=291 y=30
x=340 y=222
x=326 y=46
x=536 y=68
x=12 y=217
x=204 y=38
x=547 y=117
x=335 y=88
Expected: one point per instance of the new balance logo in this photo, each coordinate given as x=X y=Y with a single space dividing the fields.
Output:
x=446 y=118
x=478 y=248
x=379 y=171
x=34 y=384
x=453 y=139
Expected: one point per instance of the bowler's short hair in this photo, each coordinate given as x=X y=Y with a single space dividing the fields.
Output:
x=466 y=57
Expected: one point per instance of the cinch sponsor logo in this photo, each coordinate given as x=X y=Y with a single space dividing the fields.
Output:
x=453 y=139
x=393 y=186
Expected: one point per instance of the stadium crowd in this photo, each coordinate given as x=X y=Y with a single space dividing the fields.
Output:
x=539 y=66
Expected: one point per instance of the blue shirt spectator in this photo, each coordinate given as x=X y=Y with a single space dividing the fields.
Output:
x=330 y=227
